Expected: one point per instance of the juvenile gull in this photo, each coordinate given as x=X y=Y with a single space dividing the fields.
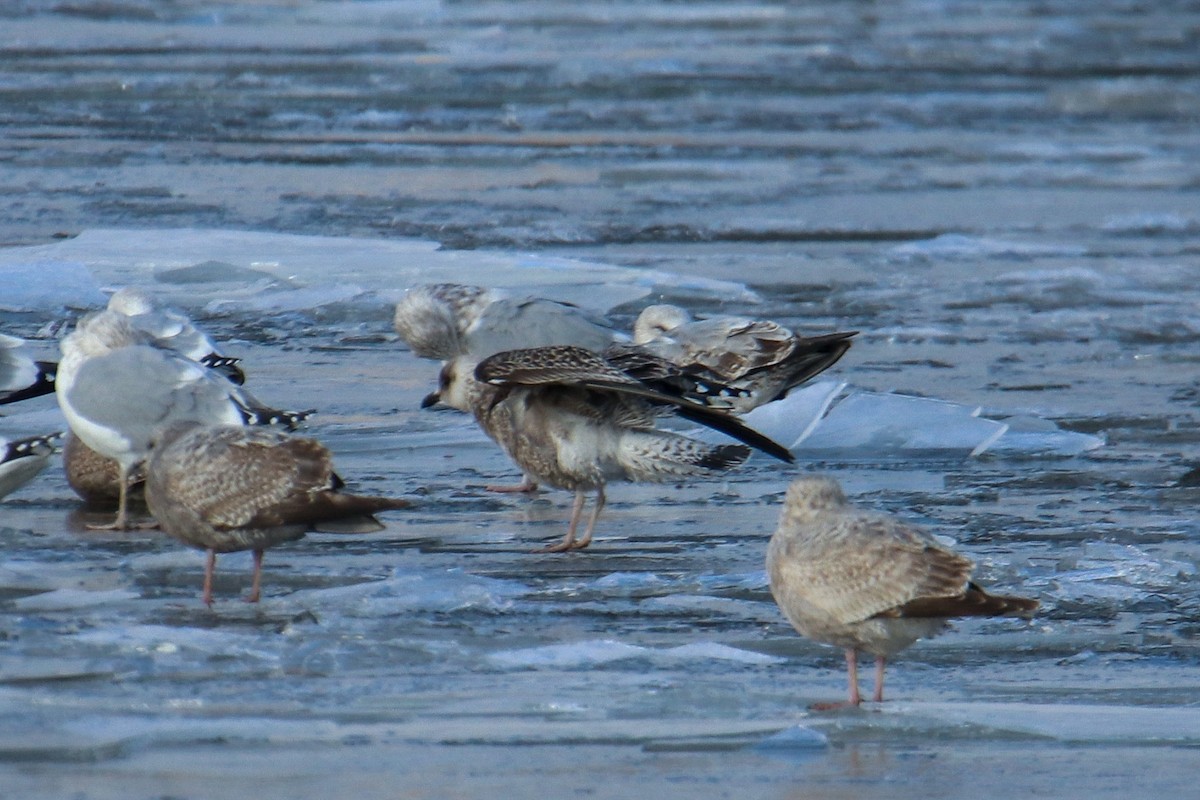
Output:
x=117 y=387
x=447 y=321
x=21 y=376
x=862 y=580
x=96 y=479
x=226 y=488
x=762 y=358
x=572 y=420
x=22 y=459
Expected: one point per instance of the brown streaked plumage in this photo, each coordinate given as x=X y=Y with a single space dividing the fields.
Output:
x=862 y=580
x=224 y=488
x=761 y=358
x=571 y=420
x=96 y=478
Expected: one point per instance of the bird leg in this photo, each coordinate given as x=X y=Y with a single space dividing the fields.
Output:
x=568 y=541
x=852 y=676
x=121 y=523
x=587 y=533
x=256 y=583
x=210 y=566
x=880 y=663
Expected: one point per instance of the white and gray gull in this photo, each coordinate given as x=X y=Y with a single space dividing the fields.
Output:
x=117 y=388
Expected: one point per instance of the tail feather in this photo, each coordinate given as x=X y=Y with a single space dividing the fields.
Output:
x=974 y=602
x=660 y=455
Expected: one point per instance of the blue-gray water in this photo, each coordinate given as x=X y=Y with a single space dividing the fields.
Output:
x=1001 y=197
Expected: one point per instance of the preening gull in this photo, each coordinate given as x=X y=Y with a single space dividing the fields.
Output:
x=574 y=421
x=862 y=580
x=226 y=488
x=117 y=387
x=443 y=321
x=762 y=358
x=21 y=376
x=173 y=330
x=22 y=459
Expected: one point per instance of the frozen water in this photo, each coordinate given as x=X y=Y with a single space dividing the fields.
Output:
x=999 y=197
x=958 y=246
x=46 y=284
x=880 y=425
x=225 y=271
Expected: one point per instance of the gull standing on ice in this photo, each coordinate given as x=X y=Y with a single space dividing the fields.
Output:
x=448 y=321
x=22 y=459
x=862 y=580
x=761 y=357
x=117 y=388
x=572 y=420
x=227 y=488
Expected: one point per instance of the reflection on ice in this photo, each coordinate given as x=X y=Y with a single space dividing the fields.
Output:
x=955 y=245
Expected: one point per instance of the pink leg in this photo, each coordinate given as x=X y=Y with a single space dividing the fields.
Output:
x=210 y=566
x=568 y=541
x=852 y=672
x=852 y=676
x=257 y=581
x=880 y=663
x=591 y=526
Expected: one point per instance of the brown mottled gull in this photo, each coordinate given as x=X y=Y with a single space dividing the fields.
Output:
x=447 y=321
x=572 y=420
x=861 y=580
x=762 y=358
x=226 y=488
x=96 y=479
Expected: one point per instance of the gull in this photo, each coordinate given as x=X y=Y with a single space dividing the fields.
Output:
x=22 y=377
x=448 y=321
x=116 y=387
x=225 y=488
x=760 y=357
x=22 y=459
x=443 y=321
x=173 y=330
x=862 y=580
x=574 y=421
